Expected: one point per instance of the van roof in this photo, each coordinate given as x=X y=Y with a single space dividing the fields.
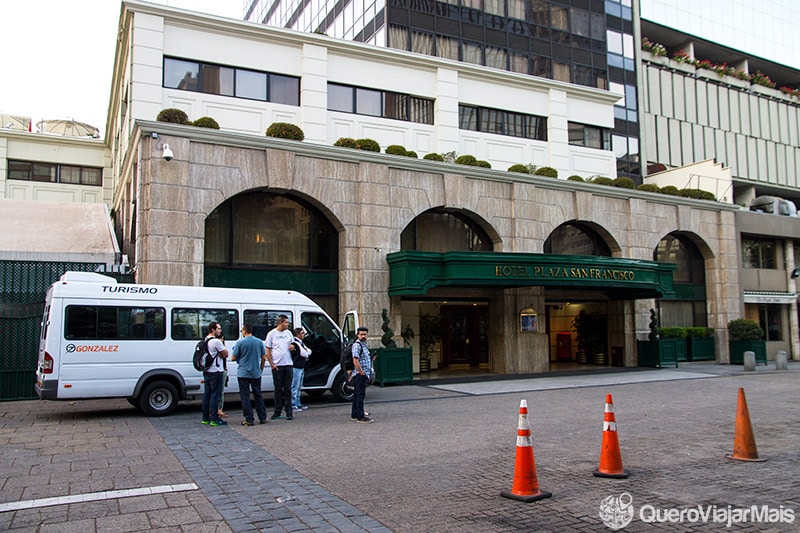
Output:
x=94 y=285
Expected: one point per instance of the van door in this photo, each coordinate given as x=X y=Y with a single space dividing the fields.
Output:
x=350 y=326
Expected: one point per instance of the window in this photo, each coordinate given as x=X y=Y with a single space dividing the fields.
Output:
x=264 y=321
x=193 y=324
x=769 y=317
x=501 y=122
x=54 y=173
x=99 y=322
x=230 y=81
x=573 y=238
x=440 y=231
x=758 y=253
x=377 y=103
x=589 y=136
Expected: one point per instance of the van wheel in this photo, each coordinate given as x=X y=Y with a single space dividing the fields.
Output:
x=342 y=390
x=159 y=398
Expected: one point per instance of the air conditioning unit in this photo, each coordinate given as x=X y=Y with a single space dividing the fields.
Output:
x=774 y=205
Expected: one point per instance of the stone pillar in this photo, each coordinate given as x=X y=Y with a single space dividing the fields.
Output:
x=780 y=360
x=749 y=361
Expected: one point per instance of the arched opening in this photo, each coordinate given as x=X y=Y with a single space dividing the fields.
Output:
x=265 y=240
x=688 y=308
x=438 y=230
x=575 y=238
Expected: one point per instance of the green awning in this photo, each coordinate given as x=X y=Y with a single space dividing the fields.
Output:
x=415 y=273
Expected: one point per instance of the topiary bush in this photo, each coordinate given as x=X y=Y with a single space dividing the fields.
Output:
x=698 y=194
x=206 y=122
x=284 y=130
x=433 y=157
x=346 y=142
x=519 y=168
x=699 y=332
x=396 y=149
x=412 y=153
x=482 y=163
x=648 y=187
x=670 y=189
x=624 y=183
x=549 y=172
x=745 y=329
x=602 y=180
x=173 y=116
x=466 y=160
x=368 y=145
x=673 y=333
x=575 y=177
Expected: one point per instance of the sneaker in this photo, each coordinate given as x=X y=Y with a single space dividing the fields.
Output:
x=353 y=418
x=366 y=413
x=206 y=422
x=296 y=409
x=218 y=423
x=246 y=423
x=303 y=407
x=365 y=420
x=275 y=417
x=262 y=421
x=289 y=418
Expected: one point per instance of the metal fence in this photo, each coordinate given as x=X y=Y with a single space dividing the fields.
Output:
x=23 y=287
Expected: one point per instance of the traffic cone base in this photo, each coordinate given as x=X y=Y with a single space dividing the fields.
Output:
x=610 y=457
x=525 y=487
x=621 y=475
x=744 y=442
x=527 y=499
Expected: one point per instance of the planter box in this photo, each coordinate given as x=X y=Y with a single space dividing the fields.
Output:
x=700 y=348
x=394 y=365
x=660 y=353
x=661 y=60
x=737 y=349
x=682 y=67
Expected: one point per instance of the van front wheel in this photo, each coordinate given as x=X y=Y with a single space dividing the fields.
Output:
x=342 y=389
x=159 y=398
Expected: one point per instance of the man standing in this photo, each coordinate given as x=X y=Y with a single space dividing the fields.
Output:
x=251 y=356
x=280 y=360
x=213 y=377
x=362 y=373
x=300 y=354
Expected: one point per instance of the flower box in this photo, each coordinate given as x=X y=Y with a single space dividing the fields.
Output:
x=737 y=349
x=393 y=365
x=660 y=353
x=733 y=81
x=652 y=58
x=683 y=67
x=700 y=348
x=766 y=91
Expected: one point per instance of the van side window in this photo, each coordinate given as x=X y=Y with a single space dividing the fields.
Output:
x=322 y=336
x=192 y=324
x=263 y=321
x=95 y=322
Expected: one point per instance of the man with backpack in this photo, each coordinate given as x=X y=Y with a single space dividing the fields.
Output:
x=362 y=374
x=213 y=376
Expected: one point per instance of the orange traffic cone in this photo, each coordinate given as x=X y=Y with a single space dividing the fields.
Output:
x=610 y=458
x=526 y=483
x=744 y=443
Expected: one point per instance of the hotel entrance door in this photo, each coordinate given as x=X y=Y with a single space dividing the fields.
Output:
x=465 y=339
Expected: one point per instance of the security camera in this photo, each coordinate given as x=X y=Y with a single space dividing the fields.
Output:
x=167 y=153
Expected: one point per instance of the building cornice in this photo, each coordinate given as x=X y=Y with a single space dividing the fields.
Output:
x=47 y=138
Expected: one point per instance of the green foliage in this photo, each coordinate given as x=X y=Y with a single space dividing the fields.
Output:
x=700 y=332
x=673 y=333
x=482 y=163
x=519 y=168
x=368 y=145
x=433 y=157
x=388 y=333
x=548 y=172
x=602 y=180
x=648 y=187
x=412 y=153
x=745 y=329
x=284 y=130
x=466 y=160
x=346 y=142
x=624 y=183
x=670 y=189
x=698 y=194
x=206 y=122
x=396 y=149
x=575 y=177
x=173 y=116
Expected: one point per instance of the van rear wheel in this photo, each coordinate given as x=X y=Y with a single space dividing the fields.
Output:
x=342 y=389
x=159 y=398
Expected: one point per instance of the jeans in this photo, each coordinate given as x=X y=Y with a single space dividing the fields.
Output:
x=245 y=386
x=297 y=384
x=282 y=380
x=360 y=386
x=211 y=393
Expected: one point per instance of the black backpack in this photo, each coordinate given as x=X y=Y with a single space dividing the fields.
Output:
x=347 y=357
x=202 y=360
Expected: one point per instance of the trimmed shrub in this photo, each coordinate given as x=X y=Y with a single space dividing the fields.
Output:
x=206 y=122
x=697 y=194
x=482 y=163
x=412 y=153
x=368 y=145
x=466 y=160
x=346 y=142
x=699 y=332
x=433 y=157
x=602 y=180
x=575 y=177
x=284 y=130
x=648 y=187
x=548 y=172
x=173 y=116
x=672 y=333
x=670 y=189
x=396 y=149
x=745 y=329
x=519 y=168
x=624 y=183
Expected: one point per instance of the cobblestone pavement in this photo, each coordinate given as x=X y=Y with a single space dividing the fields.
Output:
x=436 y=458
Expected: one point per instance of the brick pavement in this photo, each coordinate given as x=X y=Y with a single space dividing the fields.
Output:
x=435 y=460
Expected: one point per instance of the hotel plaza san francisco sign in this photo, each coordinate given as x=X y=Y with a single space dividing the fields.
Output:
x=413 y=272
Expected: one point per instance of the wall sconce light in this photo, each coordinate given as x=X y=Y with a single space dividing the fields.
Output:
x=796 y=273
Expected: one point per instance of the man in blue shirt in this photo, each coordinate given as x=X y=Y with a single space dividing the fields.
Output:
x=362 y=373
x=250 y=354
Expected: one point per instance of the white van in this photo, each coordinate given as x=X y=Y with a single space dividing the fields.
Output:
x=103 y=339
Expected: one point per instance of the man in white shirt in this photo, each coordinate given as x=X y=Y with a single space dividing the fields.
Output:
x=279 y=358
